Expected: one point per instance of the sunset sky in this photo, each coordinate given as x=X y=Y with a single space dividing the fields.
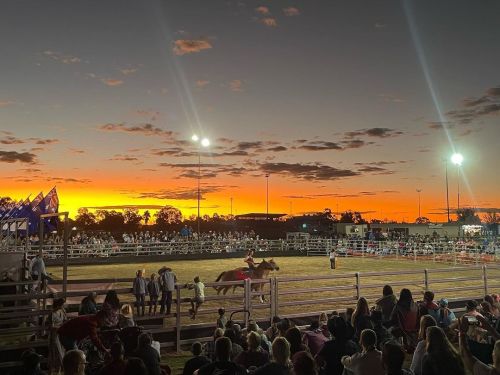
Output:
x=346 y=104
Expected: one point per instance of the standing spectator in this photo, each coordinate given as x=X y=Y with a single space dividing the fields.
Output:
x=445 y=316
x=167 y=283
x=393 y=357
x=135 y=366
x=303 y=364
x=154 y=292
x=37 y=267
x=117 y=364
x=332 y=259
x=441 y=357
x=416 y=364
x=280 y=364
x=223 y=364
x=139 y=289
x=386 y=303
x=360 y=319
x=74 y=362
x=405 y=319
x=148 y=354
x=199 y=296
x=221 y=320
x=295 y=339
x=111 y=308
x=88 y=305
x=340 y=345
x=197 y=361
x=369 y=361
x=55 y=320
x=254 y=356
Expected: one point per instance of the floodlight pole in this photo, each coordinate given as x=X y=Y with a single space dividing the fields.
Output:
x=447 y=191
x=458 y=188
x=419 y=191
x=267 y=196
x=199 y=194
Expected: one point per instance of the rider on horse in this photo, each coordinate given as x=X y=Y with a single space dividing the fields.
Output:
x=249 y=260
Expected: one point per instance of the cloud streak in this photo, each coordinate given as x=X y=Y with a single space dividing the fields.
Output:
x=188 y=46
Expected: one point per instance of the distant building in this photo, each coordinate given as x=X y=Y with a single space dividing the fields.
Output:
x=259 y=216
x=441 y=230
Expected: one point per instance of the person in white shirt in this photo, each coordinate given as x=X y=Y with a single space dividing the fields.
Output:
x=369 y=361
x=199 y=296
x=332 y=259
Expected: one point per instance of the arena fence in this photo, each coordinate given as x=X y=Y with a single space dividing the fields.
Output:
x=455 y=251
x=22 y=324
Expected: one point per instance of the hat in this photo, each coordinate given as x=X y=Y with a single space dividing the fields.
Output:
x=443 y=302
x=471 y=305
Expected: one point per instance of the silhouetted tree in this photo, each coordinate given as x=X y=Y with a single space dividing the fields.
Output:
x=131 y=218
x=146 y=216
x=491 y=218
x=85 y=219
x=352 y=217
x=168 y=215
x=468 y=216
x=422 y=220
x=110 y=220
x=5 y=201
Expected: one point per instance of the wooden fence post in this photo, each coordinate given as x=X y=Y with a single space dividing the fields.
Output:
x=485 y=280
x=426 y=279
x=248 y=299
x=358 y=286
x=178 y=318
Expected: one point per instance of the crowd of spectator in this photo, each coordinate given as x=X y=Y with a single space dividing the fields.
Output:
x=395 y=336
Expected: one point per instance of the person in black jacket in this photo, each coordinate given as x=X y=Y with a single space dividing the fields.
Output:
x=223 y=364
x=197 y=361
x=148 y=354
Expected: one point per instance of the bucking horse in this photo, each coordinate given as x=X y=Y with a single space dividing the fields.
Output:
x=259 y=272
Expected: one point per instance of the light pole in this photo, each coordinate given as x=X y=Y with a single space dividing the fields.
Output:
x=419 y=191
x=447 y=191
x=267 y=196
x=203 y=143
x=457 y=159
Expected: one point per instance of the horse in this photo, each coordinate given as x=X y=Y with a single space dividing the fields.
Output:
x=242 y=273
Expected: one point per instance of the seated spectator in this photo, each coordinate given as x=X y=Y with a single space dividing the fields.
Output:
x=239 y=339
x=283 y=326
x=314 y=338
x=348 y=318
x=148 y=354
x=273 y=331
x=303 y=364
x=75 y=330
x=264 y=342
x=294 y=337
x=254 y=356
x=280 y=364
x=441 y=358
x=416 y=364
x=210 y=345
x=88 y=305
x=472 y=363
x=329 y=357
x=445 y=316
x=117 y=364
x=382 y=333
x=323 y=319
x=393 y=357
x=494 y=305
x=360 y=319
x=428 y=306
x=405 y=319
x=221 y=320
x=487 y=311
x=74 y=362
x=111 y=309
x=197 y=361
x=369 y=361
x=223 y=364
x=135 y=366
x=471 y=308
x=31 y=363
x=386 y=303
x=236 y=348
x=126 y=318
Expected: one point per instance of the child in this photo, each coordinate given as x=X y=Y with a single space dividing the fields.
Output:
x=199 y=296
x=221 y=320
x=139 y=289
x=154 y=291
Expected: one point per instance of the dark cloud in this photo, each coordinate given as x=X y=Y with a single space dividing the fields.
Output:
x=128 y=206
x=144 y=129
x=277 y=149
x=319 y=146
x=308 y=172
x=13 y=156
x=438 y=125
x=380 y=163
x=40 y=141
x=355 y=143
x=375 y=170
x=374 y=132
x=476 y=108
x=11 y=140
x=190 y=165
x=336 y=195
x=181 y=193
x=120 y=157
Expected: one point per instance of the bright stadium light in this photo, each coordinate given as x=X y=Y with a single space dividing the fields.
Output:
x=457 y=159
x=205 y=142
x=195 y=138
